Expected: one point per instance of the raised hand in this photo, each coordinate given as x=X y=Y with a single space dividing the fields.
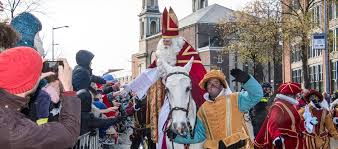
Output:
x=279 y=143
x=239 y=75
x=65 y=76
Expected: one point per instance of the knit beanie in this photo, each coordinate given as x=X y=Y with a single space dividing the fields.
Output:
x=20 y=69
x=27 y=25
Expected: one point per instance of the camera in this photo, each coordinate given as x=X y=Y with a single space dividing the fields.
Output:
x=52 y=66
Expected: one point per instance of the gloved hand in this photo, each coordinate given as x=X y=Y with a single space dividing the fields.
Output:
x=309 y=120
x=138 y=104
x=171 y=135
x=278 y=142
x=335 y=120
x=314 y=121
x=120 y=118
x=127 y=88
x=239 y=75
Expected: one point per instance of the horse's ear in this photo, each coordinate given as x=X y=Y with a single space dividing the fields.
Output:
x=189 y=64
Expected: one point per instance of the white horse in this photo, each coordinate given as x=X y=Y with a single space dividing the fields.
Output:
x=182 y=115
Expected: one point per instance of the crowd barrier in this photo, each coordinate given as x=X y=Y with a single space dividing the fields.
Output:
x=89 y=140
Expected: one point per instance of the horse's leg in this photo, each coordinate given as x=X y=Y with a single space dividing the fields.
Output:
x=196 y=146
x=176 y=146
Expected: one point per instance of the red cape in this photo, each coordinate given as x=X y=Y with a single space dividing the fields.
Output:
x=283 y=121
x=197 y=71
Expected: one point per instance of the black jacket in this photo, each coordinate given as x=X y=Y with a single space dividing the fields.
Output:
x=82 y=73
x=88 y=121
x=258 y=114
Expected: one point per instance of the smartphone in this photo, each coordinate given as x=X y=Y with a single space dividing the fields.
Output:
x=51 y=66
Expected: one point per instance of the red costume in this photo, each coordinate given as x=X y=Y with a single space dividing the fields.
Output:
x=283 y=121
x=108 y=104
x=197 y=72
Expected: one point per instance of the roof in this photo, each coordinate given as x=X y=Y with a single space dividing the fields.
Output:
x=211 y=14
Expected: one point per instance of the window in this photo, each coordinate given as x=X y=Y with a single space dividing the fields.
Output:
x=296 y=54
x=142 y=29
x=334 y=86
x=219 y=58
x=153 y=56
x=300 y=74
x=202 y=4
x=311 y=77
x=297 y=76
x=152 y=3
x=143 y=4
x=317 y=15
x=331 y=40
x=153 y=29
x=309 y=52
x=316 y=77
x=315 y=73
x=320 y=78
x=330 y=11
x=336 y=10
x=336 y=39
x=295 y=4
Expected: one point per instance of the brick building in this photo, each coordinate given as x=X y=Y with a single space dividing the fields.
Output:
x=292 y=65
x=198 y=28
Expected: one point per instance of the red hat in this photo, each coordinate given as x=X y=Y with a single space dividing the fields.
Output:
x=289 y=88
x=20 y=69
x=313 y=92
x=169 y=23
x=99 y=86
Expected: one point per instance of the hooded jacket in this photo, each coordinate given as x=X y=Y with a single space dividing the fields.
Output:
x=82 y=73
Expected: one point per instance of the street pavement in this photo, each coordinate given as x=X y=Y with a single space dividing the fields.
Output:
x=334 y=144
x=124 y=142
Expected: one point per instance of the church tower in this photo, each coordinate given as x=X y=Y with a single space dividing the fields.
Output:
x=149 y=18
x=150 y=24
x=199 y=4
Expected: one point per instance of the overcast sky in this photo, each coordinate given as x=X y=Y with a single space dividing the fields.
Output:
x=108 y=28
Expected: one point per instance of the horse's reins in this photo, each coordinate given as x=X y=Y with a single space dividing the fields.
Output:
x=191 y=131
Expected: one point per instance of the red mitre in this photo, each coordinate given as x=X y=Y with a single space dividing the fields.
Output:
x=169 y=24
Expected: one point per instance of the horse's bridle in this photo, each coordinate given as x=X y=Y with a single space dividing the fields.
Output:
x=180 y=108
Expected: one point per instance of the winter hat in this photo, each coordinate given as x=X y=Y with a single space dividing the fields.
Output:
x=20 y=69
x=109 y=77
x=289 y=88
x=266 y=85
x=217 y=74
x=313 y=92
x=27 y=25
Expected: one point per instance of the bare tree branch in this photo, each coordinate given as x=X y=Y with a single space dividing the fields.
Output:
x=14 y=7
x=290 y=8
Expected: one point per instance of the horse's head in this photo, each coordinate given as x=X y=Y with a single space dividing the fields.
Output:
x=178 y=91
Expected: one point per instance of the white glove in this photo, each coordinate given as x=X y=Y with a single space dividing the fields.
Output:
x=335 y=120
x=309 y=120
x=126 y=88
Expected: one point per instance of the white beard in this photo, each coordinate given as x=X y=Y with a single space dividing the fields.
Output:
x=168 y=53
